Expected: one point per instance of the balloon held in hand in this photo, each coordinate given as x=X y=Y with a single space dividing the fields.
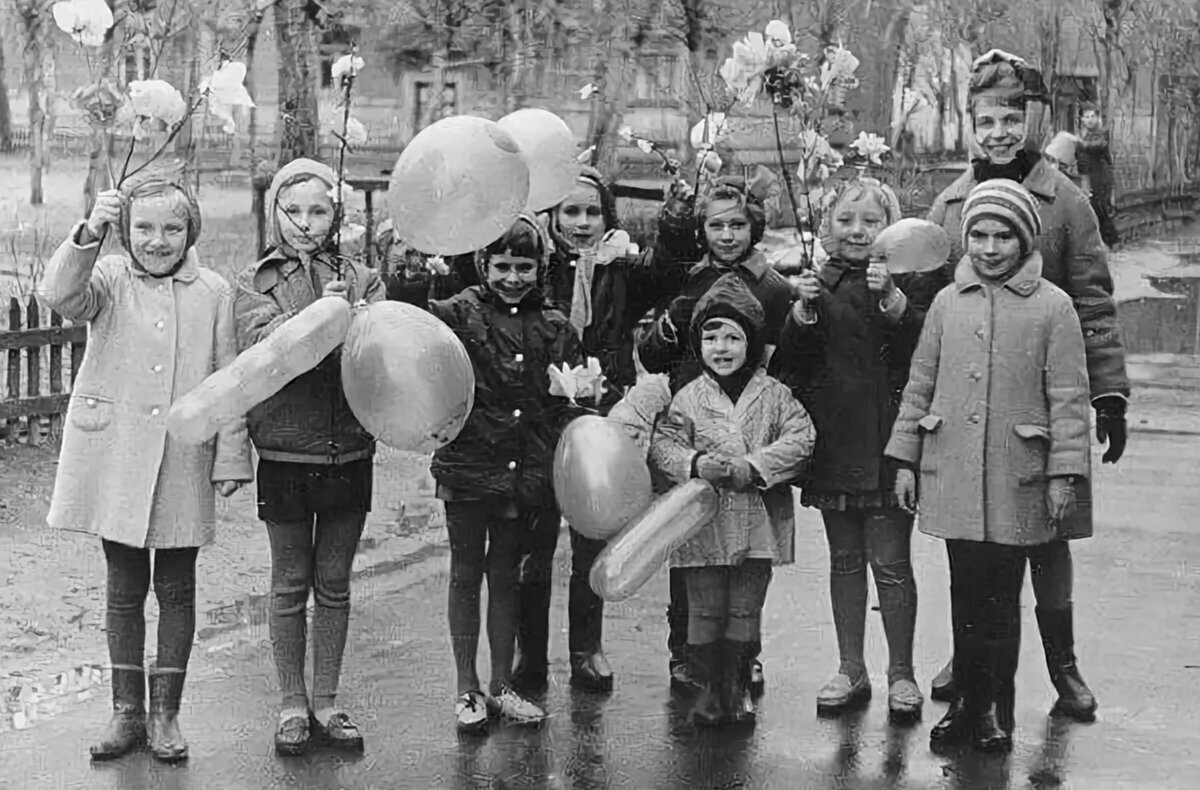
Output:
x=407 y=377
x=601 y=479
x=548 y=148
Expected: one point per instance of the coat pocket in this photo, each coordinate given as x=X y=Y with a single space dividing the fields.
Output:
x=91 y=412
x=1032 y=453
x=928 y=428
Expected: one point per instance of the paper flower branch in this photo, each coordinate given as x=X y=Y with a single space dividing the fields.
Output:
x=85 y=21
x=581 y=381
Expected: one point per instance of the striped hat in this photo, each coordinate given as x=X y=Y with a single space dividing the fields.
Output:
x=1005 y=201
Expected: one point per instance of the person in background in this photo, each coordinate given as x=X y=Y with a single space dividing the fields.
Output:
x=1074 y=258
x=316 y=461
x=997 y=430
x=1094 y=151
x=158 y=325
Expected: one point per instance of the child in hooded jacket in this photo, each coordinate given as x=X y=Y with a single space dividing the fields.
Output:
x=315 y=470
x=742 y=431
x=495 y=477
x=158 y=325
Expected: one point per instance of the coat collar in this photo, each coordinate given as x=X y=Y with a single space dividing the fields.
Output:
x=187 y=273
x=1041 y=182
x=276 y=264
x=755 y=265
x=1024 y=283
x=833 y=271
x=750 y=395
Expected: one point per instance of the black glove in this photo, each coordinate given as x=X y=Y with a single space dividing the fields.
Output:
x=1110 y=426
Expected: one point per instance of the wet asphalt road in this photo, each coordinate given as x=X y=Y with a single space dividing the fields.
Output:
x=1137 y=593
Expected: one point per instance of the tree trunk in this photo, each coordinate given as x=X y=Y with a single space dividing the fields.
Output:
x=33 y=15
x=614 y=58
x=186 y=76
x=299 y=117
x=100 y=141
x=5 y=110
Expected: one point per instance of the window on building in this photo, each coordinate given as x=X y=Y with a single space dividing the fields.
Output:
x=656 y=80
x=431 y=107
x=335 y=42
x=137 y=63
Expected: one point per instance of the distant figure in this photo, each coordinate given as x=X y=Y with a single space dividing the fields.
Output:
x=1094 y=155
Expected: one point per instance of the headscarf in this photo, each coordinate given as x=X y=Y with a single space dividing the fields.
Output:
x=294 y=172
x=154 y=182
x=1010 y=203
x=1011 y=81
x=731 y=299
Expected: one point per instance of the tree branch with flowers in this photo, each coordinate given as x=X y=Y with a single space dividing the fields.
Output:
x=807 y=89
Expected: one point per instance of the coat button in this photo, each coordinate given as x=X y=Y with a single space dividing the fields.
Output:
x=979 y=333
x=159 y=325
x=512 y=464
x=154 y=412
x=976 y=375
x=512 y=311
x=516 y=412
x=158 y=368
x=519 y=357
x=973 y=419
x=91 y=401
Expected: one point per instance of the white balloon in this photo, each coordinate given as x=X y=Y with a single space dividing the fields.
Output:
x=548 y=146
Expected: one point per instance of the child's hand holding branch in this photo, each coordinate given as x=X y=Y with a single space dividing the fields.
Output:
x=106 y=212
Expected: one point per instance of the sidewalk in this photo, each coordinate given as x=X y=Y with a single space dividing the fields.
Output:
x=52 y=582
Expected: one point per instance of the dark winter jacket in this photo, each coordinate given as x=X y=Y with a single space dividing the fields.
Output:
x=309 y=420
x=1073 y=256
x=848 y=370
x=665 y=347
x=506 y=449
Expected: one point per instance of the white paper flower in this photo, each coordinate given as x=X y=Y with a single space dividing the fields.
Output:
x=871 y=146
x=86 y=21
x=840 y=64
x=817 y=157
x=346 y=65
x=436 y=264
x=158 y=100
x=626 y=133
x=646 y=146
x=340 y=195
x=355 y=132
x=777 y=33
x=224 y=90
x=743 y=72
x=587 y=92
x=717 y=129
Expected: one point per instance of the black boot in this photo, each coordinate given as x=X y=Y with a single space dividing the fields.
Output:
x=166 y=691
x=736 y=686
x=126 y=729
x=707 y=710
x=758 y=681
x=955 y=727
x=531 y=672
x=942 y=689
x=1007 y=658
x=1075 y=699
x=988 y=731
x=683 y=680
x=591 y=672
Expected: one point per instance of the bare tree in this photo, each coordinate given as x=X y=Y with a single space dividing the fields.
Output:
x=5 y=110
x=299 y=118
x=35 y=15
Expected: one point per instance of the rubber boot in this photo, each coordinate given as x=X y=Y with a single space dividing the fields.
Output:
x=1075 y=699
x=707 y=710
x=126 y=729
x=955 y=727
x=942 y=688
x=1007 y=658
x=166 y=690
x=988 y=734
x=736 y=685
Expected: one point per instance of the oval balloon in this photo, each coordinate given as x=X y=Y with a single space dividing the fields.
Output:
x=458 y=186
x=630 y=559
x=600 y=477
x=548 y=146
x=407 y=377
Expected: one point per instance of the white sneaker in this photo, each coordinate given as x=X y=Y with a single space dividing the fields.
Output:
x=517 y=709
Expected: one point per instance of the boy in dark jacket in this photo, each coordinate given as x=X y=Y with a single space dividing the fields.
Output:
x=496 y=476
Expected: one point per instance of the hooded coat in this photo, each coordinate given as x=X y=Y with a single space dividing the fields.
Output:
x=506 y=448
x=309 y=420
x=765 y=425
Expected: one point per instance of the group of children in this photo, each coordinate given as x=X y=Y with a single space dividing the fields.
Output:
x=748 y=374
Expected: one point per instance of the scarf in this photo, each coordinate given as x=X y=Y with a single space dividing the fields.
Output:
x=997 y=274
x=588 y=260
x=1016 y=170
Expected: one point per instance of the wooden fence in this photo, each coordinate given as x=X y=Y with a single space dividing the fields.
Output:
x=35 y=410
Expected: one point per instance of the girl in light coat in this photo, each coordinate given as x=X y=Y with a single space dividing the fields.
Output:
x=742 y=431
x=159 y=324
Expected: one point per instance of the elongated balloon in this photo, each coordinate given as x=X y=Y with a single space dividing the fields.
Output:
x=600 y=477
x=631 y=558
x=260 y=371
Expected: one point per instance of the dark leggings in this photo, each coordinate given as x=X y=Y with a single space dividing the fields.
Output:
x=985 y=609
x=880 y=538
x=726 y=601
x=483 y=542
x=129 y=577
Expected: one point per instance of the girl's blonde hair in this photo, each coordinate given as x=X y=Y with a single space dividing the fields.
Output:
x=855 y=189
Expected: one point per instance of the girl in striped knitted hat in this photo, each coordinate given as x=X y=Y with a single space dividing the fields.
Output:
x=994 y=422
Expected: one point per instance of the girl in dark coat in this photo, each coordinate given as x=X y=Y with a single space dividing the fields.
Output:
x=848 y=370
x=495 y=477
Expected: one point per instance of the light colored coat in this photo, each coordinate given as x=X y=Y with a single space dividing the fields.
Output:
x=769 y=428
x=150 y=341
x=996 y=404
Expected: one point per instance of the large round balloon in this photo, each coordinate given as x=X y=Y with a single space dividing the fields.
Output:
x=458 y=186
x=548 y=146
x=407 y=377
x=600 y=477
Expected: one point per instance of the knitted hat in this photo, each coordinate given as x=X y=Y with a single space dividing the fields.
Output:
x=1004 y=201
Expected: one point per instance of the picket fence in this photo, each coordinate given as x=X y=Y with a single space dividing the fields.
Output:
x=35 y=397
